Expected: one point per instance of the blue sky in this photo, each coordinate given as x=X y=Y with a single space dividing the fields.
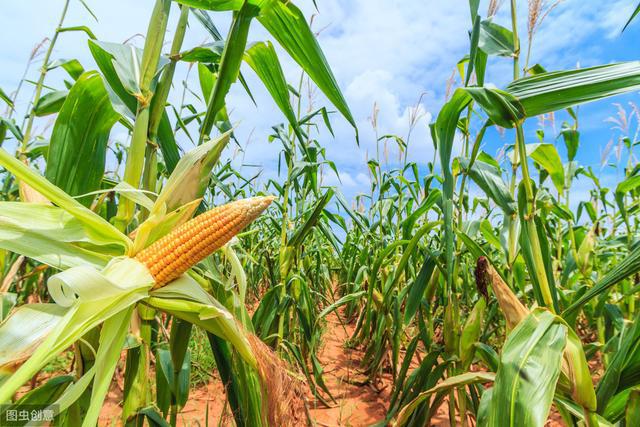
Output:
x=387 y=53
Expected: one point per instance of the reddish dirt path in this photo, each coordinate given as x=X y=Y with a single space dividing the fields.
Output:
x=193 y=414
x=356 y=405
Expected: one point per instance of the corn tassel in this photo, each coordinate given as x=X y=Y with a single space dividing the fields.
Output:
x=188 y=244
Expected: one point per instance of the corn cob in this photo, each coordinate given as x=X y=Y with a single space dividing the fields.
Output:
x=190 y=243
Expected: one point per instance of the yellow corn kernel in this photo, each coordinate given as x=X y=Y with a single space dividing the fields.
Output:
x=190 y=243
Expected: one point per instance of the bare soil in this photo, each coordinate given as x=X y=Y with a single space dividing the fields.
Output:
x=357 y=404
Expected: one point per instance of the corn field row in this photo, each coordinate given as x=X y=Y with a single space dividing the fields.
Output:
x=475 y=283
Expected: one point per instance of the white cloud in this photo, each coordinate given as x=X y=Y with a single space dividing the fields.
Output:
x=561 y=40
x=345 y=179
x=383 y=52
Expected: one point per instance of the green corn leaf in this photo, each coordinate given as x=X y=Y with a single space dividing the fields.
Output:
x=529 y=369
x=264 y=61
x=46 y=393
x=571 y=139
x=623 y=269
x=473 y=52
x=409 y=251
x=209 y=53
x=632 y=17
x=305 y=228
x=120 y=67
x=578 y=412
x=488 y=178
x=488 y=355
x=96 y=226
x=6 y=98
x=229 y=67
x=117 y=66
x=165 y=382
x=495 y=39
x=444 y=131
x=628 y=185
x=448 y=384
x=50 y=103
x=502 y=107
x=185 y=299
x=547 y=156
x=610 y=383
x=342 y=301
x=418 y=287
x=78 y=145
x=112 y=337
x=553 y=91
x=215 y=5
x=488 y=233
x=632 y=416
x=288 y=26
x=52 y=236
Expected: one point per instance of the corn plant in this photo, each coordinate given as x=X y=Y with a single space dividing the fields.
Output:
x=126 y=256
x=474 y=283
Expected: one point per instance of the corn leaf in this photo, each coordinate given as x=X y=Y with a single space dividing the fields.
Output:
x=553 y=91
x=547 y=156
x=448 y=384
x=209 y=53
x=112 y=337
x=78 y=145
x=577 y=411
x=444 y=131
x=625 y=268
x=52 y=236
x=488 y=178
x=342 y=301
x=91 y=297
x=216 y=5
x=288 y=26
x=98 y=227
x=629 y=184
x=632 y=17
x=610 y=383
x=529 y=369
x=185 y=299
x=229 y=67
x=50 y=103
x=305 y=228
x=264 y=61
x=495 y=39
x=120 y=67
